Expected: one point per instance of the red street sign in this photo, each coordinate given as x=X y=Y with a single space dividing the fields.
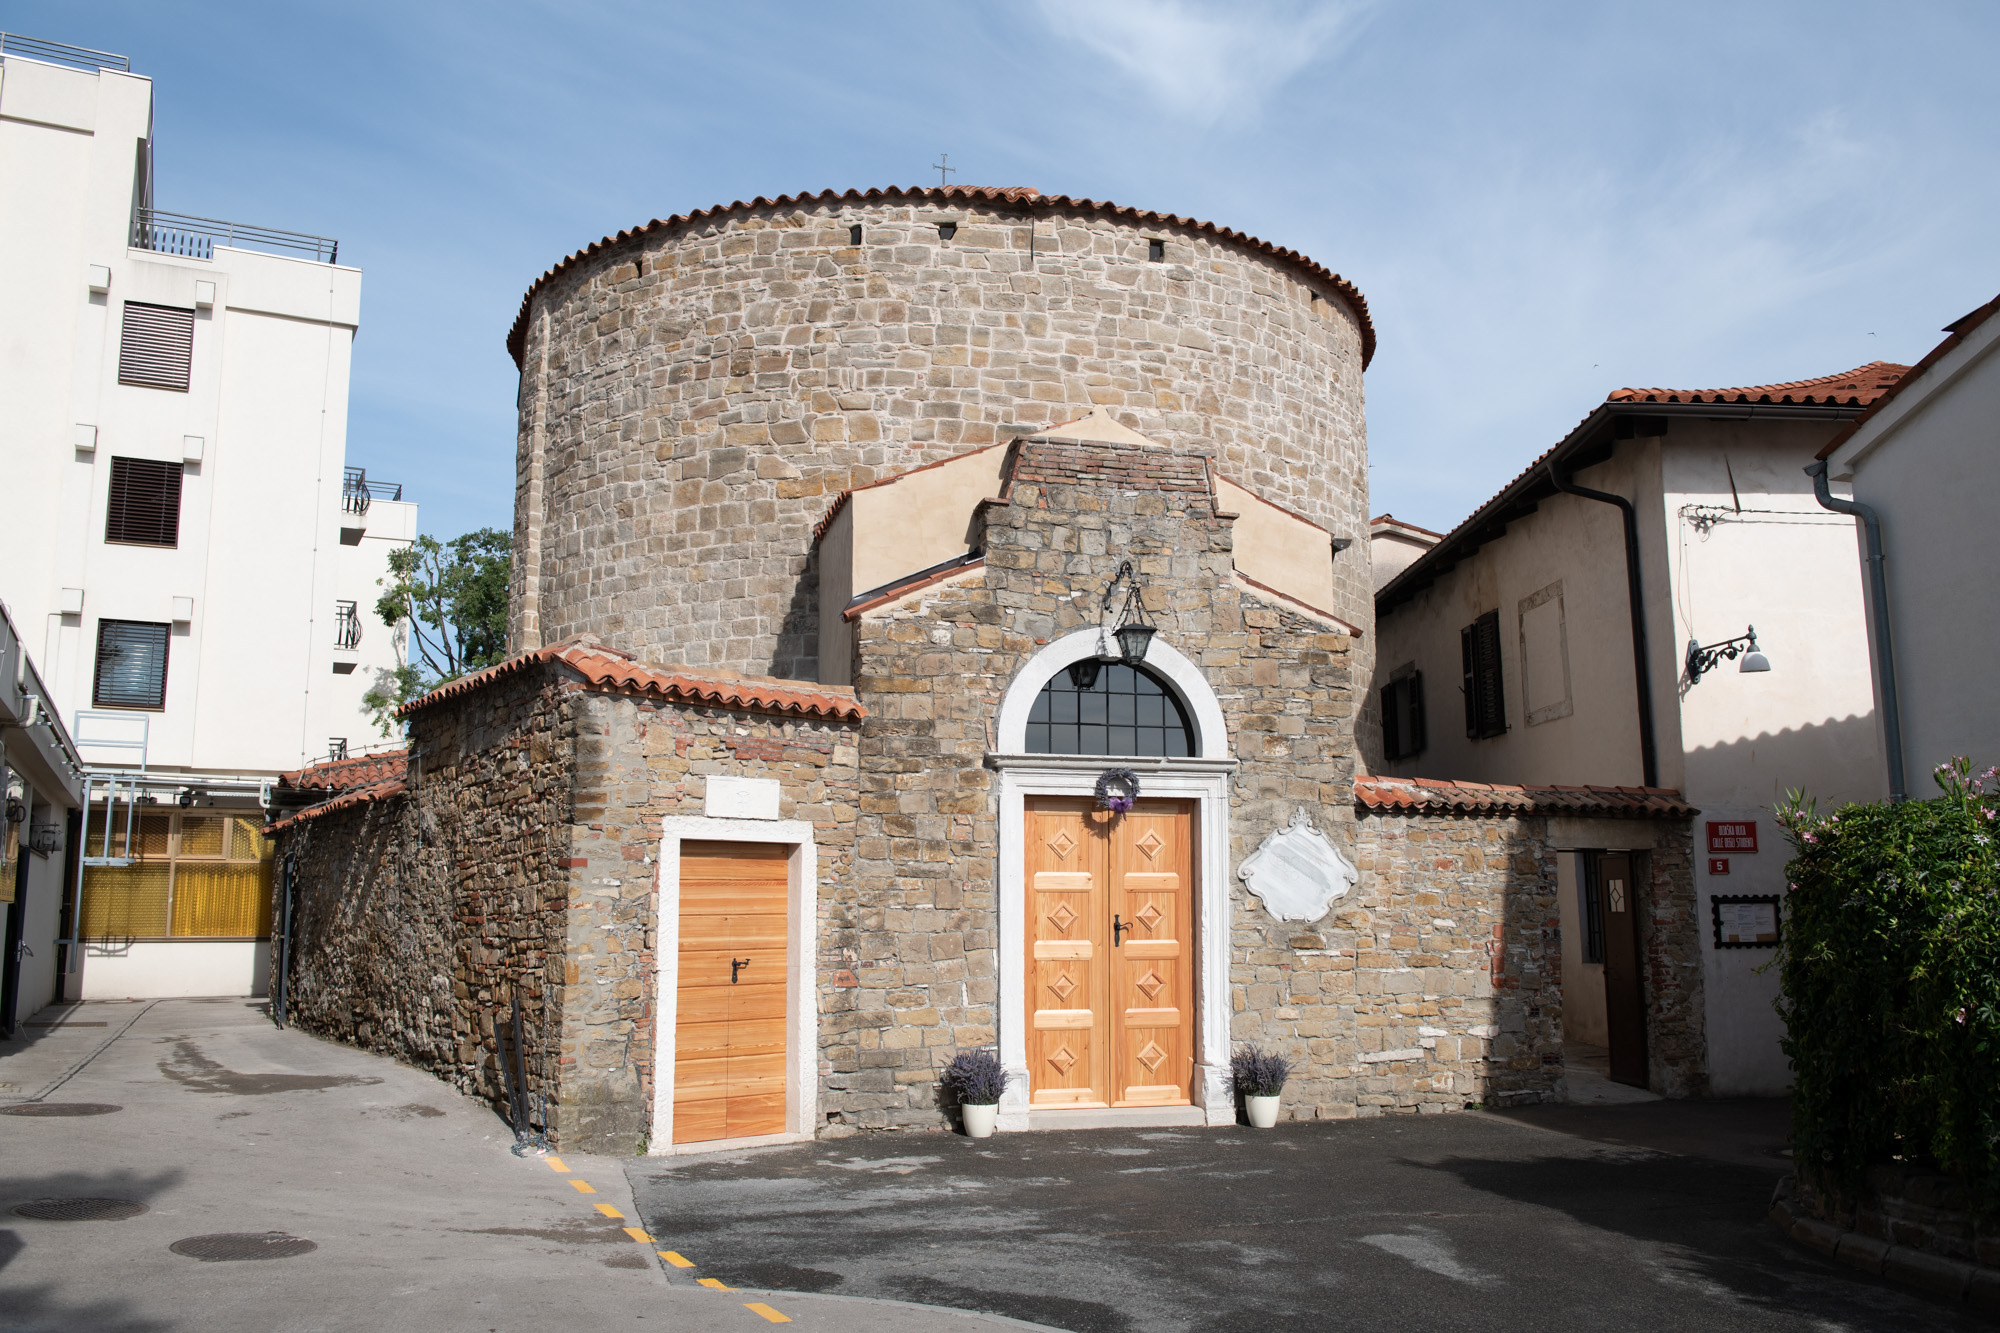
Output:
x=1737 y=837
x=1718 y=865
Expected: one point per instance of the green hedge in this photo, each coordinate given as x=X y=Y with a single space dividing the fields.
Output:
x=1891 y=970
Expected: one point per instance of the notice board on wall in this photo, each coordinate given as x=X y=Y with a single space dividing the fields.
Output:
x=1745 y=922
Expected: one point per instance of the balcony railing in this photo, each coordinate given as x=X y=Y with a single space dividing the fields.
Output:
x=357 y=492
x=346 y=626
x=61 y=53
x=196 y=238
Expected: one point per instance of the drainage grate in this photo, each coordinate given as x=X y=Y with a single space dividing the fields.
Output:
x=81 y=1210
x=60 y=1108
x=242 y=1245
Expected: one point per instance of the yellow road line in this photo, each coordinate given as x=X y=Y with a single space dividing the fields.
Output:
x=609 y=1211
x=715 y=1282
x=638 y=1235
x=765 y=1310
x=556 y=1164
x=675 y=1259
x=583 y=1186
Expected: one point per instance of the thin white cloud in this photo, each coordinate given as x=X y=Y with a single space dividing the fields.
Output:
x=1205 y=62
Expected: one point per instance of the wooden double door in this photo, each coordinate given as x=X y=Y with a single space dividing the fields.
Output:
x=729 y=1024
x=1110 y=931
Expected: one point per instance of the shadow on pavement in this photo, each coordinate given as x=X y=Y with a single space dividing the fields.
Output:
x=37 y=1307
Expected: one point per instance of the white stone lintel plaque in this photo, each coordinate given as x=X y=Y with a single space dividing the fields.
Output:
x=1296 y=872
x=741 y=798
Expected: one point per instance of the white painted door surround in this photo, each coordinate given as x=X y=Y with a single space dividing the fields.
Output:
x=1203 y=779
x=801 y=983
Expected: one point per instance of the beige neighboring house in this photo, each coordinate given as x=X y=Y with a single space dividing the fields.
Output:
x=1516 y=649
x=1393 y=546
x=1921 y=462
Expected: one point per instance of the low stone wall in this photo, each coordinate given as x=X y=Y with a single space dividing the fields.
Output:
x=1914 y=1227
x=519 y=861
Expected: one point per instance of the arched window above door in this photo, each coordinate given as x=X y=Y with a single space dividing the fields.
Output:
x=1125 y=711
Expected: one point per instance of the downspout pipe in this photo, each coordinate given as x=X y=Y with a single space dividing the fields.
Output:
x=1878 y=603
x=1649 y=758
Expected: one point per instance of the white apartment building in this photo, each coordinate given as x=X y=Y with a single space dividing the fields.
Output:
x=184 y=550
x=1680 y=521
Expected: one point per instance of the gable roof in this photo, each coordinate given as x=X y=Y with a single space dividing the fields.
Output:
x=1956 y=332
x=1022 y=197
x=1859 y=387
x=1624 y=414
x=341 y=774
x=610 y=671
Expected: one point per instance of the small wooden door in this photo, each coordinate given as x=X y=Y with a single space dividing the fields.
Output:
x=1624 y=984
x=729 y=1025
x=1110 y=954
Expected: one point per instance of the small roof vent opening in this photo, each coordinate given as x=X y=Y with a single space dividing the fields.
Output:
x=947 y=230
x=1156 y=251
x=854 y=234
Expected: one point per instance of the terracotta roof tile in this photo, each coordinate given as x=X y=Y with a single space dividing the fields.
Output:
x=342 y=774
x=1430 y=796
x=1956 y=332
x=614 y=672
x=1021 y=196
x=1851 y=388
x=347 y=800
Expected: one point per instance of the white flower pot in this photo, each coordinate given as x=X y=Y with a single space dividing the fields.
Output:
x=1263 y=1111
x=978 y=1120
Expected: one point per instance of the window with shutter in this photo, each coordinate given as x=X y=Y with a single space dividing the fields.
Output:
x=1485 y=697
x=131 y=664
x=156 y=346
x=1403 y=716
x=145 y=504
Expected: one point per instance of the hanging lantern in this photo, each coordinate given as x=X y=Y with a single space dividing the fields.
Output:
x=1133 y=629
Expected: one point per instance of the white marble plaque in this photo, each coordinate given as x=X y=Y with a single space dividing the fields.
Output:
x=1297 y=873
x=741 y=798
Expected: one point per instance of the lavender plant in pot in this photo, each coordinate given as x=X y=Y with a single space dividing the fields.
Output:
x=1260 y=1076
x=975 y=1080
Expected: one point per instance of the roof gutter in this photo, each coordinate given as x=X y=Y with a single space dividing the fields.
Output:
x=1635 y=593
x=1878 y=607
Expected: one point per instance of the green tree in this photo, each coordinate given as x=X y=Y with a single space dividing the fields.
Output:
x=453 y=598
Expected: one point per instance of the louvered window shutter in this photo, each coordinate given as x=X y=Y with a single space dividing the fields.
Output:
x=1471 y=686
x=145 y=503
x=1392 y=720
x=131 y=665
x=156 y=346
x=1413 y=726
x=1486 y=667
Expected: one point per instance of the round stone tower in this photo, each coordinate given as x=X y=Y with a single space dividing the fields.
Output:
x=697 y=391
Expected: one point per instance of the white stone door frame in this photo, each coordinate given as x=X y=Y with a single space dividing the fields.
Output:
x=801 y=981
x=1203 y=780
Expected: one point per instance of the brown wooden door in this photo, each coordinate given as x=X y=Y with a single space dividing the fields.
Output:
x=1110 y=954
x=729 y=1025
x=1624 y=984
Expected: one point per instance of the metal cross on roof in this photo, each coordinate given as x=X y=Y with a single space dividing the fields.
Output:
x=942 y=169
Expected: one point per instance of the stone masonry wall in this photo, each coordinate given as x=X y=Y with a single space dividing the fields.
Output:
x=692 y=400
x=417 y=919
x=1670 y=931
x=920 y=908
x=523 y=860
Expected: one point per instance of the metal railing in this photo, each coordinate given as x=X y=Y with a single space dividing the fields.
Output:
x=336 y=749
x=61 y=53
x=196 y=238
x=357 y=492
x=346 y=626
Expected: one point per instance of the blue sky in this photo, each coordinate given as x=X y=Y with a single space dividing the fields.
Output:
x=1542 y=202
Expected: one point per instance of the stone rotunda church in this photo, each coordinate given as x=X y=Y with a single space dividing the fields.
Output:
x=868 y=548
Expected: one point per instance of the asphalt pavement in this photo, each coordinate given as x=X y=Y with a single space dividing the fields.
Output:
x=1564 y=1217
x=371 y=1195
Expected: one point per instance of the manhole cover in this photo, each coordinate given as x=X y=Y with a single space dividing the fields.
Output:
x=81 y=1210
x=242 y=1245
x=60 y=1108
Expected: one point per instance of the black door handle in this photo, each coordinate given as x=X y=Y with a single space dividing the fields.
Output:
x=1117 y=927
x=736 y=965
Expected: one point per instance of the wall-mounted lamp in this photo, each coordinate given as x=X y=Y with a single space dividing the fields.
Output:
x=1133 y=629
x=1702 y=660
